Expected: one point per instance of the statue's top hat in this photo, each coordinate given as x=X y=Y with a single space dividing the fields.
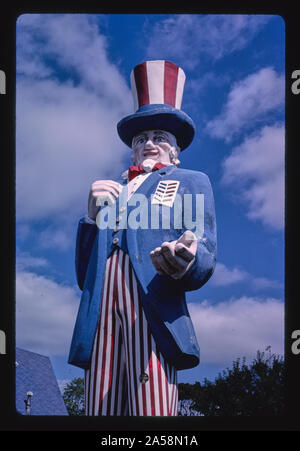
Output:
x=157 y=88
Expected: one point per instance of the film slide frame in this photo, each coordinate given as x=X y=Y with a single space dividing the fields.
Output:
x=9 y=419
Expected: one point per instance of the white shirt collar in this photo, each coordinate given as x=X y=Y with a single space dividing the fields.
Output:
x=147 y=166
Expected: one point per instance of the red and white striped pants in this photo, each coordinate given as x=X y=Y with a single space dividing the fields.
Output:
x=128 y=374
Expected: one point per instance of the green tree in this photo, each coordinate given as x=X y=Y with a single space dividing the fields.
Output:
x=249 y=390
x=73 y=396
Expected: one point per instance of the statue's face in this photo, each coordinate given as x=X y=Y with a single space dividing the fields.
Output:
x=154 y=144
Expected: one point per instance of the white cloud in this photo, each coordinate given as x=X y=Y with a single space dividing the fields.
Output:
x=187 y=38
x=45 y=314
x=238 y=328
x=224 y=276
x=25 y=261
x=69 y=100
x=249 y=102
x=56 y=238
x=255 y=169
x=261 y=283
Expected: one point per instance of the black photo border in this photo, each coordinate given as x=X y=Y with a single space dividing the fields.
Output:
x=10 y=420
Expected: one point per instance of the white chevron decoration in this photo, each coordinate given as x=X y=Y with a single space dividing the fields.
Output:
x=165 y=193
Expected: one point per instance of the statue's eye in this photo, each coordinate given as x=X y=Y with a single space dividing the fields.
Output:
x=160 y=138
x=140 y=140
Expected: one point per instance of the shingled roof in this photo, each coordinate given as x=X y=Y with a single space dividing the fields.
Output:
x=34 y=373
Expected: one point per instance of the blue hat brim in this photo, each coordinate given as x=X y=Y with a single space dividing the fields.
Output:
x=158 y=117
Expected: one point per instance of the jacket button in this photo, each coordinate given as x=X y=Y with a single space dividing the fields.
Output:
x=116 y=229
x=118 y=219
x=122 y=209
x=144 y=378
x=115 y=240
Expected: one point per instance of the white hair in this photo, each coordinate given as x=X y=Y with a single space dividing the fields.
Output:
x=175 y=150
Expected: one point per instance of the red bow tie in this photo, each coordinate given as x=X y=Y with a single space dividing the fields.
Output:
x=136 y=170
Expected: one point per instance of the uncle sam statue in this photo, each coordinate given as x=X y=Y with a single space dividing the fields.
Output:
x=133 y=330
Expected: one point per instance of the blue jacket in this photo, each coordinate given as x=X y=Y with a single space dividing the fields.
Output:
x=163 y=298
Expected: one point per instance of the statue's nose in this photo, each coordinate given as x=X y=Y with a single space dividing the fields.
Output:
x=149 y=144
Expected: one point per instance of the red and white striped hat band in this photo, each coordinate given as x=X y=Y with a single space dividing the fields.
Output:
x=157 y=82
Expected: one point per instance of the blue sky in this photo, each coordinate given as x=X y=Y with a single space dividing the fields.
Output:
x=72 y=89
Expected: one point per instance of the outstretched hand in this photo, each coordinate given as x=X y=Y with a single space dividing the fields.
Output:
x=174 y=258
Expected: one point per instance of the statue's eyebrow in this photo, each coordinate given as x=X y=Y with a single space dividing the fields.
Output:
x=162 y=132
x=139 y=135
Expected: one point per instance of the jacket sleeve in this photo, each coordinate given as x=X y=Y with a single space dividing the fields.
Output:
x=205 y=259
x=86 y=234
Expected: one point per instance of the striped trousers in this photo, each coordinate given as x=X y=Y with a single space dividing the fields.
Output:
x=128 y=375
